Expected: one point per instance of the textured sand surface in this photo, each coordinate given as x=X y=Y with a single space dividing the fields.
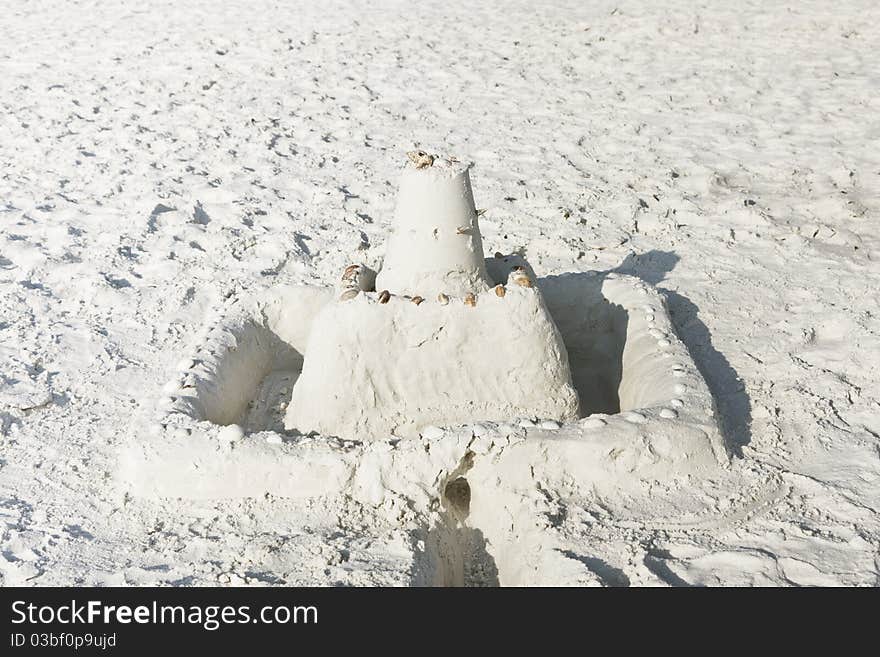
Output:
x=157 y=156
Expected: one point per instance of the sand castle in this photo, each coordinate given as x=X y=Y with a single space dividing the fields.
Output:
x=465 y=389
x=432 y=339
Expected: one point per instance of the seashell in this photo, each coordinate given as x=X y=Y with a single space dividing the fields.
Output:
x=230 y=433
x=359 y=276
x=442 y=298
x=351 y=272
x=432 y=433
x=520 y=277
x=500 y=291
x=463 y=230
x=498 y=254
x=635 y=418
x=384 y=296
x=420 y=158
x=349 y=293
x=592 y=423
x=417 y=300
x=470 y=300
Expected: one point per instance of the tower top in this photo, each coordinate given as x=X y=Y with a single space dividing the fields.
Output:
x=435 y=246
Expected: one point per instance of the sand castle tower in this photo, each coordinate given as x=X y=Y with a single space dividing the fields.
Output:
x=431 y=339
x=436 y=245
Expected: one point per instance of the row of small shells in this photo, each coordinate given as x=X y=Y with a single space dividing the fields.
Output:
x=651 y=309
x=179 y=403
x=354 y=281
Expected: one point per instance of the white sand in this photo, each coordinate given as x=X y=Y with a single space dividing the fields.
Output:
x=156 y=159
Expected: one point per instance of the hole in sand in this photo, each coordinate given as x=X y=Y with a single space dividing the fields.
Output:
x=455 y=553
x=250 y=379
x=594 y=331
x=458 y=497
